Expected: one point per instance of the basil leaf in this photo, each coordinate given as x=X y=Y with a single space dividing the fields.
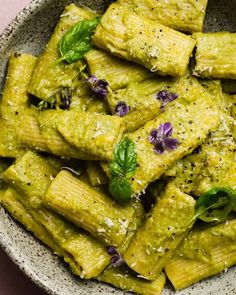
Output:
x=216 y=204
x=77 y=41
x=120 y=189
x=123 y=167
x=125 y=159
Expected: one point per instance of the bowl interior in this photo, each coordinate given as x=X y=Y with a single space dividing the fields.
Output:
x=29 y=33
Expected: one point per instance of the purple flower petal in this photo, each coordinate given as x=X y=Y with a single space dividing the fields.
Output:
x=153 y=136
x=159 y=147
x=93 y=79
x=168 y=129
x=112 y=251
x=174 y=96
x=161 y=140
x=171 y=143
x=161 y=131
x=116 y=259
x=121 y=109
x=98 y=86
x=165 y=130
x=165 y=97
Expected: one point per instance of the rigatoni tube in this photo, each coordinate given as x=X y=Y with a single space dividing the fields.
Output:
x=88 y=254
x=146 y=42
x=56 y=143
x=202 y=254
x=131 y=283
x=216 y=55
x=95 y=134
x=96 y=174
x=95 y=212
x=143 y=97
x=161 y=233
x=11 y=202
x=117 y=72
x=49 y=78
x=31 y=175
x=15 y=100
x=182 y=15
x=19 y=75
x=30 y=135
x=190 y=131
x=18 y=207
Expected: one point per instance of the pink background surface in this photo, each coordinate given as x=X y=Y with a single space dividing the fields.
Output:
x=12 y=280
x=9 y=9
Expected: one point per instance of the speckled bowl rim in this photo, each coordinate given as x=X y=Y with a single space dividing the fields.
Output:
x=12 y=27
x=5 y=37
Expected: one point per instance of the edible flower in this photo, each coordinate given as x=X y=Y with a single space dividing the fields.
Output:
x=116 y=258
x=121 y=109
x=66 y=99
x=161 y=140
x=98 y=86
x=165 y=97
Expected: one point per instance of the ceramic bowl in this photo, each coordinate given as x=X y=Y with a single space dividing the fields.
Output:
x=29 y=33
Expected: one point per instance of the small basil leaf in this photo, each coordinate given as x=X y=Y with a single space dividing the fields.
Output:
x=77 y=41
x=120 y=189
x=115 y=168
x=125 y=159
x=123 y=167
x=216 y=204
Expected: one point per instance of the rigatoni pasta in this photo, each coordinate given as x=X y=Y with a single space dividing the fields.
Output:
x=217 y=151
x=96 y=175
x=214 y=251
x=49 y=77
x=161 y=233
x=127 y=282
x=33 y=184
x=48 y=124
x=89 y=209
x=183 y=15
x=96 y=134
x=115 y=71
x=215 y=55
x=15 y=91
x=189 y=133
x=15 y=100
x=30 y=133
x=10 y=201
x=157 y=47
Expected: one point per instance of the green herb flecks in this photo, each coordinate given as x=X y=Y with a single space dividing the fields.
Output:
x=122 y=168
x=216 y=204
x=77 y=41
